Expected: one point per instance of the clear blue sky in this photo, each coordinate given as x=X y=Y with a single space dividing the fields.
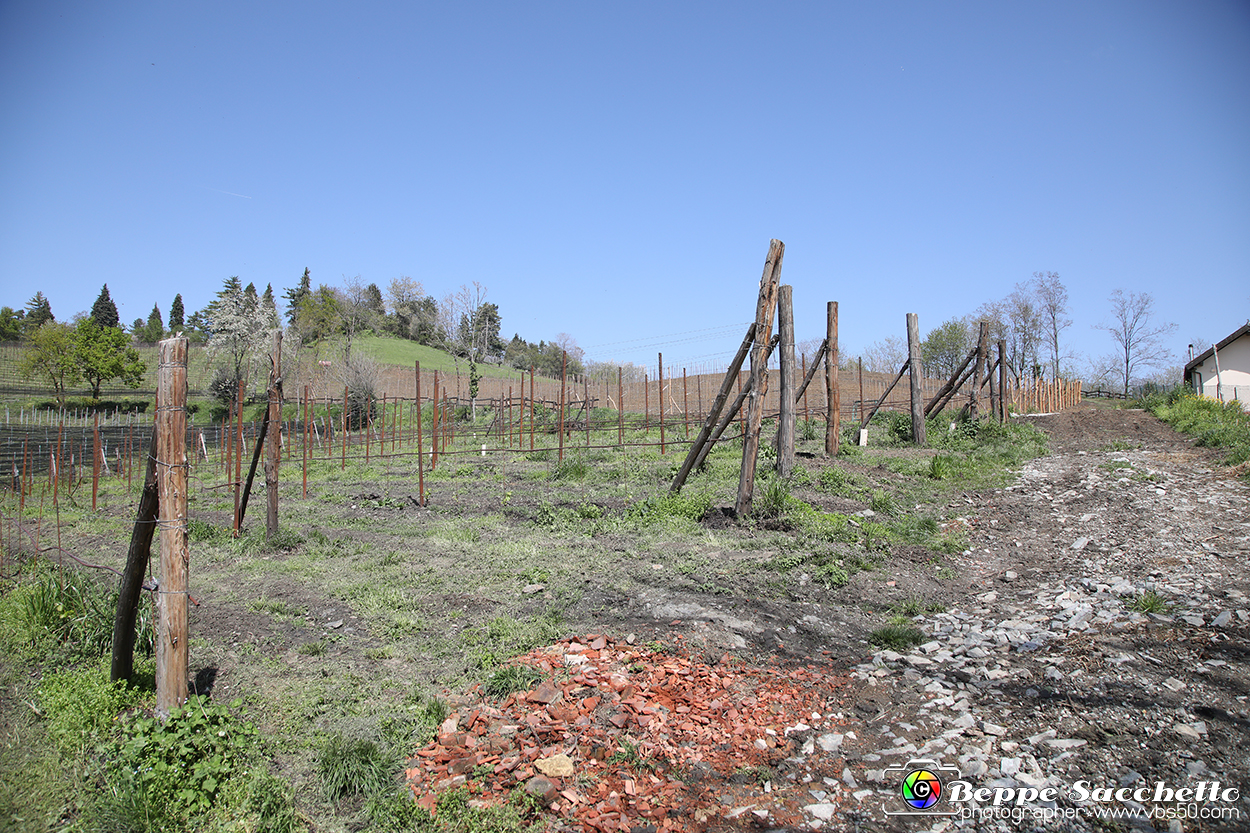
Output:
x=615 y=171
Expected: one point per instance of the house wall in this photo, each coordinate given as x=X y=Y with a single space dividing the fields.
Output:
x=1234 y=373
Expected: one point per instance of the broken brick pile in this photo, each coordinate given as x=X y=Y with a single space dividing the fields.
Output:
x=622 y=737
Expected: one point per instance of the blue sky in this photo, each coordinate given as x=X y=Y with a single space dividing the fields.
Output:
x=615 y=171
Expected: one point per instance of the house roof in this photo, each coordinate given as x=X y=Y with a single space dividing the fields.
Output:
x=1244 y=329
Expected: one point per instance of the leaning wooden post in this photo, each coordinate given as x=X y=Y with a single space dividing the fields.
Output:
x=764 y=311
x=833 y=396
x=171 y=475
x=131 y=585
x=785 y=421
x=709 y=423
x=914 y=373
x=974 y=396
x=275 y=442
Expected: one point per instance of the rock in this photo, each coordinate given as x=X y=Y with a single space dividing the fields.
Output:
x=1186 y=731
x=556 y=766
x=993 y=728
x=1173 y=684
x=335 y=625
x=1222 y=620
x=831 y=742
x=531 y=589
x=1080 y=543
x=824 y=812
x=543 y=789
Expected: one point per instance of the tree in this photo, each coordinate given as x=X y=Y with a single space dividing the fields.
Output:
x=295 y=297
x=104 y=311
x=1141 y=342
x=1052 y=297
x=268 y=308
x=176 y=322
x=154 y=330
x=318 y=315
x=104 y=353
x=11 y=324
x=945 y=348
x=238 y=330
x=38 y=313
x=50 y=355
x=885 y=355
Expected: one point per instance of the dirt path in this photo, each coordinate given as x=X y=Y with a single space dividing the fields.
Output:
x=1044 y=675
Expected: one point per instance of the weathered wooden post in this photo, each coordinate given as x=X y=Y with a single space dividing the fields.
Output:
x=833 y=397
x=171 y=475
x=786 y=419
x=915 y=373
x=275 y=442
x=974 y=396
x=764 y=311
x=660 y=391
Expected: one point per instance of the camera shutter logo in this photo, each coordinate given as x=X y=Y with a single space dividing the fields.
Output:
x=921 y=789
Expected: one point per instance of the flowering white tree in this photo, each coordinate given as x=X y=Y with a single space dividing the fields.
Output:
x=239 y=328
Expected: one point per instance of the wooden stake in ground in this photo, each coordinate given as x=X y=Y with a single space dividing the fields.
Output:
x=785 y=422
x=692 y=456
x=916 y=368
x=833 y=399
x=764 y=311
x=137 y=557
x=974 y=396
x=171 y=478
x=275 y=444
x=1002 y=380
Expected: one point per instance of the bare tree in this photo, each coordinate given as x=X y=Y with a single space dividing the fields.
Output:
x=885 y=355
x=1052 y=297
x=1141 y=341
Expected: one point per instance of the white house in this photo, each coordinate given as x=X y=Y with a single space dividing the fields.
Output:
x=1232 y=382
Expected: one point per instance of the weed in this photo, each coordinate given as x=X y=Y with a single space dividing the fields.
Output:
x=940 y=467
x=896 y=637
x=1150 y=602
x=629 y=755
x=355 y=766
x=504 y=681
x=774 y=499
x=81 y=706
x=313 y=649
x=183 y=763
x=882 y=503
x=690 y=507
x=506 y=636
x=875 y=535
x=573 y=467
x=202 y=532
x=832 y=576
x=275 y=607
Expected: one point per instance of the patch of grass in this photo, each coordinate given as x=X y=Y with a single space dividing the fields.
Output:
x=510 y=678
x=355 y=766
x=1216 y=425
x=896 y=637
x=572 y=467
x=504 y=637
x=1150 y=602
x=313 y=649
x=80 y=706
x=275 y=607
x=688 y=506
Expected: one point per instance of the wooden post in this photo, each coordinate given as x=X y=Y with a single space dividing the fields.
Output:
x=307 y=433
x=531 y=408
x=765 y=308
x=915 y=373
x=137 y=557
x=238 y=458
x=564 y=365
x=685 y=403
x=786 y=418
x=974 y=396
x=420 y=445
x=95 y=462
x=710 y=422
x=833 y=396
x=434 y=426
x=660 y=391
x=171 y=476
x=992 y=376
x=275 y=442
x=861 y=388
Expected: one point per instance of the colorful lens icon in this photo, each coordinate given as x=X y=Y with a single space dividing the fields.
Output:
x=921 y=789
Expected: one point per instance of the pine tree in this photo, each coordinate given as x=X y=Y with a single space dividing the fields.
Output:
x=295 y=296
x=268 y=308
x=176 y=311
x=104 y=311
x=154 y=330
x=38 y=313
